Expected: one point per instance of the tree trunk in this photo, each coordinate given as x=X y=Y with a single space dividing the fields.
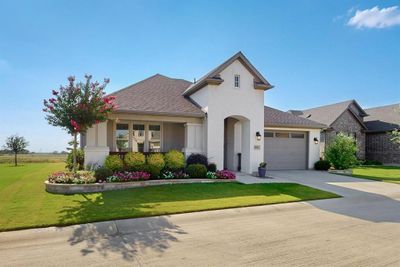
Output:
x=15 y=159
x=74 y=153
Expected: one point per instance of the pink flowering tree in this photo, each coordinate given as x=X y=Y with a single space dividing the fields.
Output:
x=78 y=106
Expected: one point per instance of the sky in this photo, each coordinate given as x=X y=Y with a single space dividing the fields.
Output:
x=313 y=52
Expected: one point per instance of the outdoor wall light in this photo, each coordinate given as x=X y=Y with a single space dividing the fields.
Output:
x=316 y=140
x=258 y=135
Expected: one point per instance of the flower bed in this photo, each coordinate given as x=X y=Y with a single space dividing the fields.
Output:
x=114 y=175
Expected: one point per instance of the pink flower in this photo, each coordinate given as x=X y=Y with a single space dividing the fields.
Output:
x=55 y=92
x=52 y=100
x=75 y=125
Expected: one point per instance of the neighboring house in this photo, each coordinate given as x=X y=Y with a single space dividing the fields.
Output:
x=347 y=117
x=380 y=122
x=222 y=115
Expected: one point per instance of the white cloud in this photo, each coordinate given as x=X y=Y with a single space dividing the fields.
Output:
x=376 y=18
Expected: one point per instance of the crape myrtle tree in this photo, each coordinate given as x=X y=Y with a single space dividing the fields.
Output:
x=16 y=144
x=78 y=106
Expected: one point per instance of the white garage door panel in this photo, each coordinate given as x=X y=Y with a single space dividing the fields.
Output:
x=285 y=153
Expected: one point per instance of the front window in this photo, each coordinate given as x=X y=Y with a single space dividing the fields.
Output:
x=122 y=136
x=237 y=81
x=138 y=137
x=154 y=138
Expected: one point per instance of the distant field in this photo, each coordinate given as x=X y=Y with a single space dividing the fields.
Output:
x=34 y=158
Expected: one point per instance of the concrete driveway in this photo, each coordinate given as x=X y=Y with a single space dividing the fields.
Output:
x=360 y=229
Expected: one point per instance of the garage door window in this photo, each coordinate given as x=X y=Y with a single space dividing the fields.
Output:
x=297 y=135
x=282 y=135
x=268 y=134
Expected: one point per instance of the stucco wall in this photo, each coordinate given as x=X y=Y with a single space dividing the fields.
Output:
x=347 y=123
x=244 y=103
x=379 y=147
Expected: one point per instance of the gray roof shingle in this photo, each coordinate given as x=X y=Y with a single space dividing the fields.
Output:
x=157 y=94
x=325 y=114
x=278 y=118
x=384 y=118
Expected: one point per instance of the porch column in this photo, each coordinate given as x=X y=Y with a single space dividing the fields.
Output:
x=96 y=149
x=194 y=139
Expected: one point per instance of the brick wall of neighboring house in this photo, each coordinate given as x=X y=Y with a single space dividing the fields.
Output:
x=347 y=123
x=379 y=147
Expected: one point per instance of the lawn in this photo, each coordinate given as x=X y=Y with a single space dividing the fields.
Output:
x=379 y=173
x=25 y=204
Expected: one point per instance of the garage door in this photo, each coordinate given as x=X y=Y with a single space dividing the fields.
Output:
x=285 y=150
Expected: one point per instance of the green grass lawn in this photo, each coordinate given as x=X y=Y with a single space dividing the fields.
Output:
x=379 y=173
x=25 y=204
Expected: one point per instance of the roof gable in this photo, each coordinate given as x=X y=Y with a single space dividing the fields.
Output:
x=328 y=114
x=384 y=118
x=213 y=77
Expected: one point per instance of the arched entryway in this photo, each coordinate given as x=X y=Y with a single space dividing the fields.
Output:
x=237 y=143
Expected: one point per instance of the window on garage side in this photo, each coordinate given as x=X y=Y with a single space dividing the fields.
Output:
x=297 y=135
x=268 y=134
x=282 y=135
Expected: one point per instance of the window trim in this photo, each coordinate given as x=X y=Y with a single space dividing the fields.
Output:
x=238 y=81
x=146 y=132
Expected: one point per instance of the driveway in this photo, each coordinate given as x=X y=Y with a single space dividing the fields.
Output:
x=360 y=229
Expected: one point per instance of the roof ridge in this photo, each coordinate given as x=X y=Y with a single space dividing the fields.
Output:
x=384 y=106
x=146 y=79
x=322 y=106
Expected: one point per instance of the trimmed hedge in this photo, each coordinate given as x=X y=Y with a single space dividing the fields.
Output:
x=174 y=160
x=114 y=163
x=156 y=159
x=196 y=170
x=197 y=159
x=134 y=161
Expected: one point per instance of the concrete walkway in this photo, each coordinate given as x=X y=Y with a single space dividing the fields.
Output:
x=360 y=229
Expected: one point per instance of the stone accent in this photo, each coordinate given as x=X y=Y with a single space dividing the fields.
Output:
x=68 y=189
x=379 y=147
x=347 y=123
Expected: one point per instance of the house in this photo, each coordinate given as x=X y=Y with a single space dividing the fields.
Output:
x=380 y=122
x=222 y=115
x=347 y=117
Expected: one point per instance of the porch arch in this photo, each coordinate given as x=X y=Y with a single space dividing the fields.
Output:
x=237 y=141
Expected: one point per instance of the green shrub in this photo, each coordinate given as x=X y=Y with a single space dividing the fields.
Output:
x=341 y=153
x=371 y=162
x=102 y=173
x=196 y=170
x=212 y=167
x=322 y=165
x=174 y=160
x=157 y=160
x=154 y=171
x=197 y=158
x=80 y=159
x=114 y=163
x=134 y=161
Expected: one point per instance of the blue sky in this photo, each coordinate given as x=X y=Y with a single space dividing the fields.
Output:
x=314 y=52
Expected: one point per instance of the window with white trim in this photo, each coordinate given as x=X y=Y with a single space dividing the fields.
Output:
x=237 y=81
x=122 y=137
